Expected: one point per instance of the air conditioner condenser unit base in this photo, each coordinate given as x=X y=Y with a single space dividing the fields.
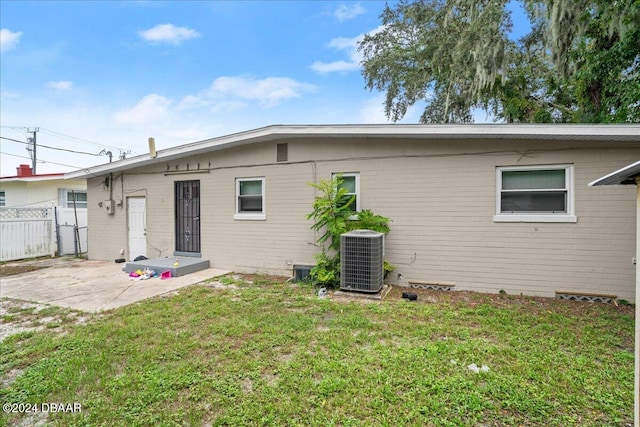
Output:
x=362 y=261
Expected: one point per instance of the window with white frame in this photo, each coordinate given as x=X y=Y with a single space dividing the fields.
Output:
x=250 y=198
x=351 y=183
x=66 y=198
x=535 y=194
x=3 y=200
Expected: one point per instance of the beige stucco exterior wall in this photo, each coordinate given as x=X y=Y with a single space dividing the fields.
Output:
x=37 y=193
x=440 y=195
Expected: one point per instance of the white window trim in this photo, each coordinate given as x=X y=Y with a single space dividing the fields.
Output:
x=251 y=216
x=568 y=216
x=357 y=176
x=64 y=202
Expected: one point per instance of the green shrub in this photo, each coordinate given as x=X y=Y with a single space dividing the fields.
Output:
x=332 y=216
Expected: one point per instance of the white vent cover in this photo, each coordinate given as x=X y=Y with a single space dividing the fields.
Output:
x=361 y=261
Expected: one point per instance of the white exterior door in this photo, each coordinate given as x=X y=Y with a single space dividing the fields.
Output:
x=137 y=226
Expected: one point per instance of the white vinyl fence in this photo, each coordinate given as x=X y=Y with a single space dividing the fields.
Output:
x=33 y=232
x=26 y=233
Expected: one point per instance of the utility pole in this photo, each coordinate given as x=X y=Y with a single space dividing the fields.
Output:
x=32 y=151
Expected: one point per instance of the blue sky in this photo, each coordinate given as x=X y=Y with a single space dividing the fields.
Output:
x=99 y=75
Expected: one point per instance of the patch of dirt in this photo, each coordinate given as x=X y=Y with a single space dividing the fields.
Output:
x=473 y=299
x=12 y=318
x=20 y=316
x=246 y=385
x=11 y=268
x=10 y=377
x=215 y=284
x=259 y=278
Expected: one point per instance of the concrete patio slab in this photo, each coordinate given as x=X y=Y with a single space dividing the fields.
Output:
x=93 y=285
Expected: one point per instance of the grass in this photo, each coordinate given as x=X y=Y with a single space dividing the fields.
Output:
x=263 y=352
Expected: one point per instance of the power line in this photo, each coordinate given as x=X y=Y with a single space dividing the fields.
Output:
x=72 y=138
x=14 y=140
x=53 y=148
x=54 y=133
x=41 y=161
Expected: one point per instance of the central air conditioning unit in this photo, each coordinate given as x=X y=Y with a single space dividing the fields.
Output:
x=361 y=261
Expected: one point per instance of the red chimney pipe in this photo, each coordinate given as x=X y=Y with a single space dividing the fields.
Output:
x=24 y=170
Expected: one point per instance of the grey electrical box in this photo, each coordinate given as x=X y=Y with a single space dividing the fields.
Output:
x=110 y=206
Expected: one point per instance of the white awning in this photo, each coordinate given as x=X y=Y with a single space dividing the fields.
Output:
x=626 y=175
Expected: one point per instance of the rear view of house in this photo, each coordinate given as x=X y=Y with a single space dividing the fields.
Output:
x=484 y=207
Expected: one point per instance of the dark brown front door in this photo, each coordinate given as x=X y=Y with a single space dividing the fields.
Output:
x=187 y=197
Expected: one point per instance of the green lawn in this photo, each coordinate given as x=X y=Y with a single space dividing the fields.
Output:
x=271 y=353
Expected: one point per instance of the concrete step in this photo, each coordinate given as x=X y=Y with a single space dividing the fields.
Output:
x=178 y=265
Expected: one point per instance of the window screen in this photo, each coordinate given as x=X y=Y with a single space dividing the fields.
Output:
x=350 y=183
x=534 y=191
x=250 y=196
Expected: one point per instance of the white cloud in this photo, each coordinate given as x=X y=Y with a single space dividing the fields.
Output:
x=232 y=92
x=348 y=46
x=345 y=43
x=60 y=85
x=150 y=109
x=8 y=39
x=269 y=91
x=344 y=12
x=168 y=33
x=330 y=67
x=193 y=102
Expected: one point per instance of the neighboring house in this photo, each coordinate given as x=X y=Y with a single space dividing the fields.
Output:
x=488 y=207
x=42 y=190
x=27 y=229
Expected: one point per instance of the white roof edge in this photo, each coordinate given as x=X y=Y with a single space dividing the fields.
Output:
x=621 y=176
x=32 y=178
x=618 y=132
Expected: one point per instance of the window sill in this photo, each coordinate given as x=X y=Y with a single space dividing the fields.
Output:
x=249 y=217
x=535 y=218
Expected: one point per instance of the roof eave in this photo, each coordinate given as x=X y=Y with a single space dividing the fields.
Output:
x=474 y=131
x=33 y=178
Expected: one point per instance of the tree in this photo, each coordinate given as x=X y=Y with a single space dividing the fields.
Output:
x=579 y=63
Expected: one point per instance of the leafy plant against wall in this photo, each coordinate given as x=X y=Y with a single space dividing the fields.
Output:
x=332 y=216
